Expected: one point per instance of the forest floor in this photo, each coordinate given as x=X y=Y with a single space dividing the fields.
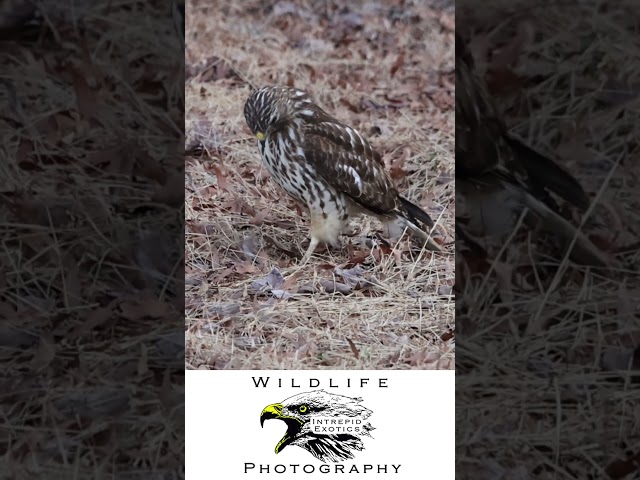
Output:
x=387 y=69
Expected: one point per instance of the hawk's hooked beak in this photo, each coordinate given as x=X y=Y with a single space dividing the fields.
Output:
x=293 y=424
x=260 y=136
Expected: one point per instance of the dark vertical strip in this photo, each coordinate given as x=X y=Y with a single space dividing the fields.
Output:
x=91 y=207
x=547 y=240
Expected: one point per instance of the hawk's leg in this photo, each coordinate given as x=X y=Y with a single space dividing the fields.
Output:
x=324 y=228
x=312 y=246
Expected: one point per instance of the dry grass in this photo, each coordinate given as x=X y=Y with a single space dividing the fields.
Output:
x=543 y=386
x=88 y=291
x=388 y=72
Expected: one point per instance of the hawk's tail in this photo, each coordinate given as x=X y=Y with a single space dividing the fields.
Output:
x=414 y=213
x=413 y=217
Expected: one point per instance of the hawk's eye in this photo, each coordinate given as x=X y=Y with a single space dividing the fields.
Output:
x=303 y=409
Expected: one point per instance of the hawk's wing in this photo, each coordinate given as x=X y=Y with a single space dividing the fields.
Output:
x=350 y=164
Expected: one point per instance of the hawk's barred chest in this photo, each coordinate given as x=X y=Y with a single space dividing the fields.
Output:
x=286 y=162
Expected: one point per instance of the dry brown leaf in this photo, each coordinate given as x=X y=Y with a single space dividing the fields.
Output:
x=259 y=217
x=245 y=267
x=399 y=62
x=221 y=177
x=354 y=349
x=397 y=168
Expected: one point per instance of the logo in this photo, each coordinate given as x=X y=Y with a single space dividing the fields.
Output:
x=328 y=426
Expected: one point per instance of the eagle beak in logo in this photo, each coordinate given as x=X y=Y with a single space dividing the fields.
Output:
x=293 y=424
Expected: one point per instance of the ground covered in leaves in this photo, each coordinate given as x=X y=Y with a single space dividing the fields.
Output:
x=386 y=68
x=545 y=385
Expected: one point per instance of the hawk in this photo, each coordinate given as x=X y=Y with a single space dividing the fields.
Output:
x=327 y=425
x=326 y=166
x=498 y=176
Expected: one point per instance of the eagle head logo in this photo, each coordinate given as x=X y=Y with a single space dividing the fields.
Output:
x=330 y=427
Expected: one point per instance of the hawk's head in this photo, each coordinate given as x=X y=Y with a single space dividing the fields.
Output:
x=269 y=109
x=328 y=426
